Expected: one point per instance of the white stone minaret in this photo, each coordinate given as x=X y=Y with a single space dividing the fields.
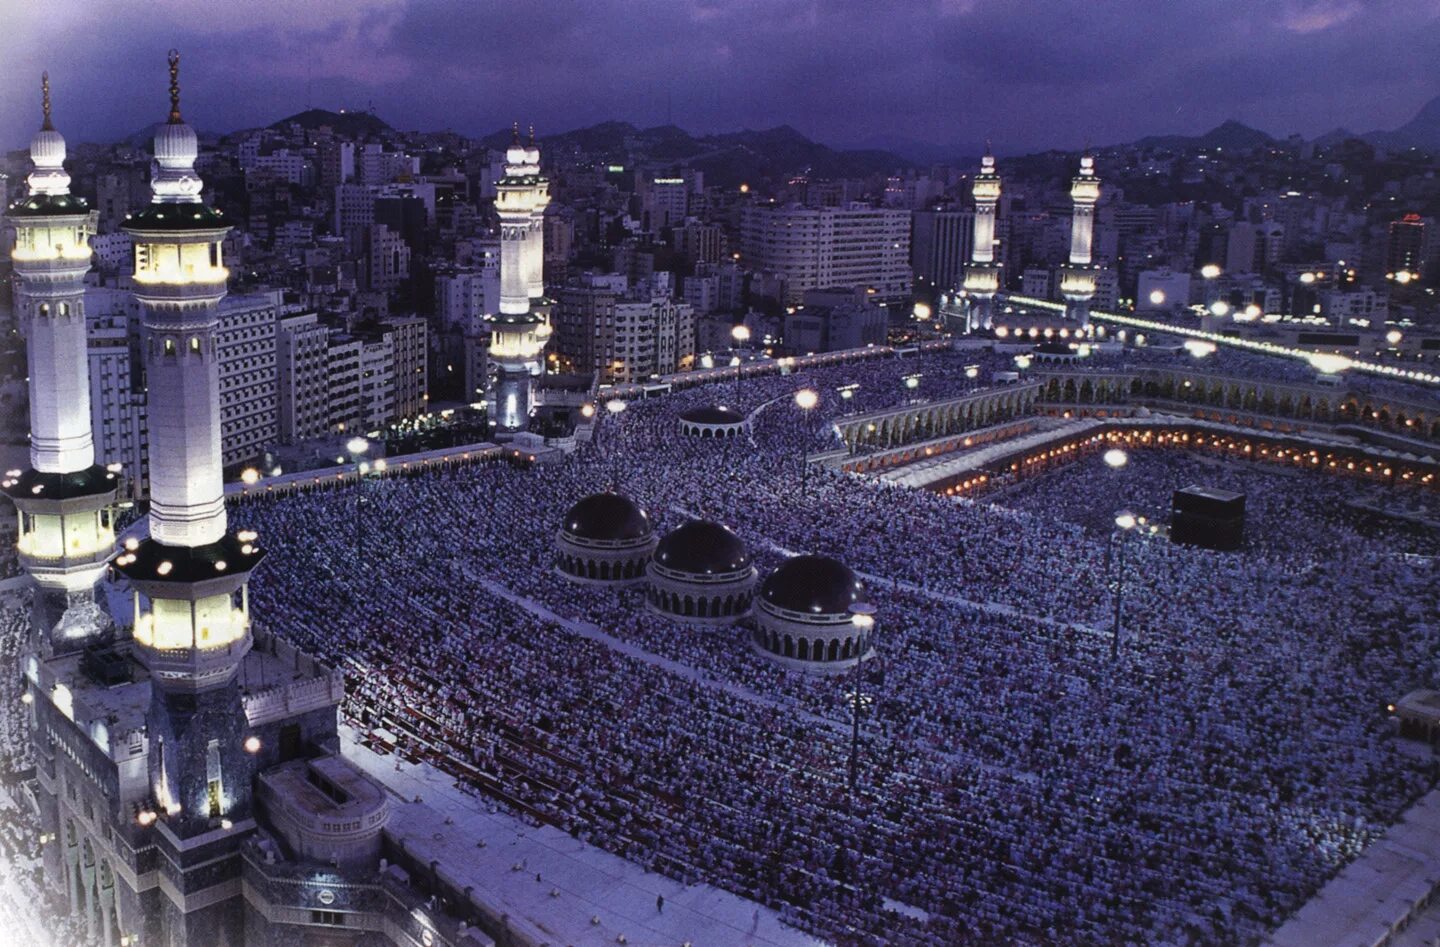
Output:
x=533 y=246
x=521 y=327
x=982 y=276
x=192 y=628
x=65 y=499
x=1077 y=281
x=192 y=615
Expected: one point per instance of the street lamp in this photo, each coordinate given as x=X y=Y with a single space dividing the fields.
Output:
x=1124 y=522
x=805 y=399
x=249 y=476
x=862 y=616
x=741 y=335
x=357 y=446
x=1116 y=458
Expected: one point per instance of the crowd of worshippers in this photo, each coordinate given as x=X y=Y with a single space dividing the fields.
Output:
x=1015 y=783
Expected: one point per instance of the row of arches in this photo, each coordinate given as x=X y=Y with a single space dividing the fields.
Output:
x=90 y=887
x=707 y=431
x=1284 y=401
x=600 y=570
x=805 y=649
x=937 y=420
x=732 y=605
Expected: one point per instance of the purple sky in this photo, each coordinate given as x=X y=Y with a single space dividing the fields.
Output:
x=1026 y=73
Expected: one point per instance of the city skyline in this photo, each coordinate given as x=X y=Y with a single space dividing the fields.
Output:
x=945 y=75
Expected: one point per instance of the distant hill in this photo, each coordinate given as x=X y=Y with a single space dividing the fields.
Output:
x=1422 y=131
x=726 y=159
x=1230 y=134
x=348 y=124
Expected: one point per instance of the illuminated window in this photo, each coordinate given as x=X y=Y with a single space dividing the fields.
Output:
x=169 y=346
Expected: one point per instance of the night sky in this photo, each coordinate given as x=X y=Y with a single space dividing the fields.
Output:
x=1027 y=73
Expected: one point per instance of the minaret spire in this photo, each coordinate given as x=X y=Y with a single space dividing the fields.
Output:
x=47 y=125
x=174 y=57
x=515 y=133
x=532 y=135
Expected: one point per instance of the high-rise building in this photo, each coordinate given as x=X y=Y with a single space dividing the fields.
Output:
x=65 y=499
x=829 y=247
x=1405 y=248
x=940 y=242
x=302 y=390
x=647 y=334
x=581 y=307
x=245 y=345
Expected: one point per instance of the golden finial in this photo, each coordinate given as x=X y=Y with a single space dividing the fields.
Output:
x=45 y=101
x=988 y=153
x=532 y=136
x=174 y=57
x=515 y=133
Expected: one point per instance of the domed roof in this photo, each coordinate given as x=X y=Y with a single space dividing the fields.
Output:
x=815 y=584
x=712 y=414
x=607 y=516
x=701 y=547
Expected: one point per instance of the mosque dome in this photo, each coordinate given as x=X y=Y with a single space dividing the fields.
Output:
x=176 y=145
x=712 y=414
x=607 y=517
x=47 y=148
x=702 y=547
x=818 y=585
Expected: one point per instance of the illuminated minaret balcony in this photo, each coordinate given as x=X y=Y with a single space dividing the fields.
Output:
x=64 y=499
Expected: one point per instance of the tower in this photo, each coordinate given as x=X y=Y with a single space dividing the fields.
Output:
x=191 y=610
x=1077 y=280
x=521 y=327
x=65 y=500
x=982 y=276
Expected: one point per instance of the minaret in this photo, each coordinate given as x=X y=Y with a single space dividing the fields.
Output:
x=982 y=276
x=65 y=499
x=192 y=621
x=521 y=327
x=1077 y=281
x=534 y=243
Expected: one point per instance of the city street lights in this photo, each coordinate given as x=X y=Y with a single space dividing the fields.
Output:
x=1124 y=522
x=862 y=615
x=1116 y=458
x=741 y=335
x=805 y=399
x=357 y=446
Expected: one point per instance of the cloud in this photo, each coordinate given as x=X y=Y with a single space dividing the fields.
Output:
x=1322 y=15
x=1027 y=73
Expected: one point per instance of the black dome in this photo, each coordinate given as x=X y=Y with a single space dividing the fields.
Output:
x=816 y=584
x=607 y=516
x=712 y=414
x=701 y=547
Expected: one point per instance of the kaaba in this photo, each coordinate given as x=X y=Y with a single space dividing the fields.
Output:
x=1208 y=517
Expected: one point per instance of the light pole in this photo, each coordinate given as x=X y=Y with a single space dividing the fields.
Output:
x=1124 y=522
x=1210 y=272
x=357 y=446
x=806 y=399
x=614 y=407
x=862 y=616
x=741 y=335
